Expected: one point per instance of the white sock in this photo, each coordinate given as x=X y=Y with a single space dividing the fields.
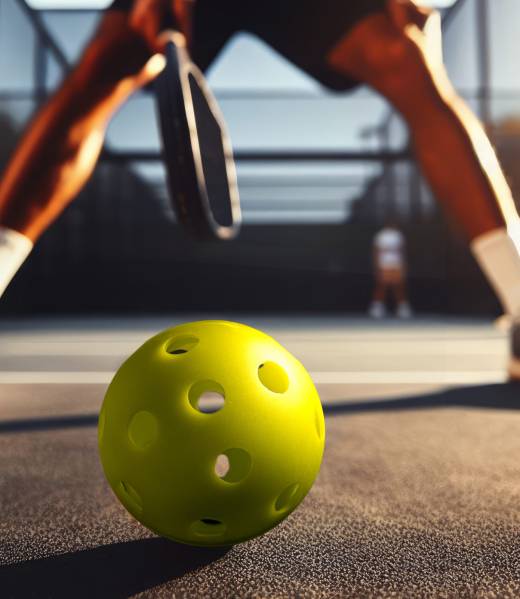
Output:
x=14 y=249
x=499 y=259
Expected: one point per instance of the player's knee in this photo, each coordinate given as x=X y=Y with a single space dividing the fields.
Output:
x=401 y=68
x=386 y=56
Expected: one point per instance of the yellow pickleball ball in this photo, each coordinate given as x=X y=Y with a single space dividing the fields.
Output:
x=211 y=433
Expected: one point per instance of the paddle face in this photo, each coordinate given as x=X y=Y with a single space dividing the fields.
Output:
x=197 y=151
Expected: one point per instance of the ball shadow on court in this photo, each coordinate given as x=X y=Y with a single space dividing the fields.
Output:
x=505 y=396
x=117 y=570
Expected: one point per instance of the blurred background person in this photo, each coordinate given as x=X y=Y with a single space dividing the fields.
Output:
x=389 y=259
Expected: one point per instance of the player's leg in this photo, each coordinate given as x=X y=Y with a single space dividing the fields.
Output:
x=60 y=147
x=402 y=59
x=398 y=52
x=400 y=293
x=377 y=308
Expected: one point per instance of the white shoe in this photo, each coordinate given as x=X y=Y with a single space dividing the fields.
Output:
x=404 y=311
x=377 y=310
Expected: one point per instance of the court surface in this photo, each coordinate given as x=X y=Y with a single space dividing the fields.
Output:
x=419 y=493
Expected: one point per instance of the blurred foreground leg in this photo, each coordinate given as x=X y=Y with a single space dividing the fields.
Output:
x=61 y=146
x=399 y=54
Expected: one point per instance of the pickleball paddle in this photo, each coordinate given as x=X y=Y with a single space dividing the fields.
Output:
x=197 y=151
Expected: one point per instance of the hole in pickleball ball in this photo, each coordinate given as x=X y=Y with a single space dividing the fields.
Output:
x=143 y=429
x=222 y=465
x=273 y=377
x=233 y=465
x=286 y=497
x=131 y=496
x=181 y=345
x=208 y=527
x=210 y=401
x=207 y=397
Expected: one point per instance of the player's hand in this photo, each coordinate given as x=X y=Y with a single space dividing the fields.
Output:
x=148 y=17
x=183 y=13
x=126 y=47
x=126 y=51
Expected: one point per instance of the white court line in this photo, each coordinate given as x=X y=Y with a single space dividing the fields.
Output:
x=405 y=377
x=347 y=348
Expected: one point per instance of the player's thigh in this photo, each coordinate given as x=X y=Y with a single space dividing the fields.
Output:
x=389 y=57
x=391 y=276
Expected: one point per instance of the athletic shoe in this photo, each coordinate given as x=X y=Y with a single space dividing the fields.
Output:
x=377 y=310
x=404 y=311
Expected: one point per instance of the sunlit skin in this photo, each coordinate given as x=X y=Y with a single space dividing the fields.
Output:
x=62 y=144
x=396 y=52
x=399 y=54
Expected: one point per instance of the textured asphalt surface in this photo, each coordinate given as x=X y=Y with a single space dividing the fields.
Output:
x=418 y=496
